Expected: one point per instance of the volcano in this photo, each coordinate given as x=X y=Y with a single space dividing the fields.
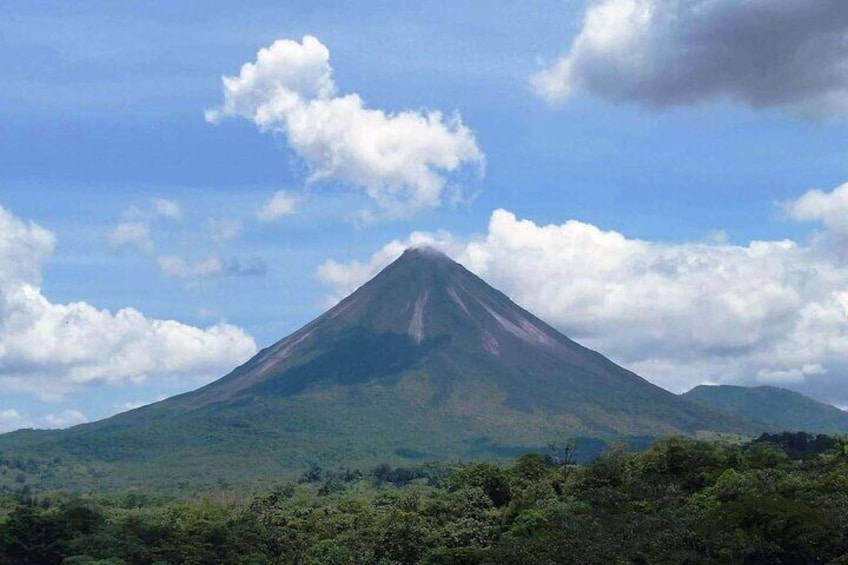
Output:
x=424 y=361
x=428 y=332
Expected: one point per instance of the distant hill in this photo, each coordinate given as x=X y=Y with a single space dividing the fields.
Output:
x=425 y=361
x=776 y=408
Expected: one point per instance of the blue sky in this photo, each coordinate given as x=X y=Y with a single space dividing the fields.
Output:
x=633 y=162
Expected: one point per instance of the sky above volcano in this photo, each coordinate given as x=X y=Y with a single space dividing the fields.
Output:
x=182 y=184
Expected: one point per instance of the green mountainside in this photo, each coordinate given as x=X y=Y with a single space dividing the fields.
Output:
x=425 y=361
x=776 y=408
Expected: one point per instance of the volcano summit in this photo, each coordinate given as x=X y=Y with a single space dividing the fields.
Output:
x=424 y=361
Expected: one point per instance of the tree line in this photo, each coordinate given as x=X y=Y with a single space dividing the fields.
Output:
x=781 y=498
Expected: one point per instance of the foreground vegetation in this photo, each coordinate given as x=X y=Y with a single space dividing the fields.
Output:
x=779 y=499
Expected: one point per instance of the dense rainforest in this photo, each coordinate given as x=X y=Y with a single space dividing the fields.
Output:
x=779 y=499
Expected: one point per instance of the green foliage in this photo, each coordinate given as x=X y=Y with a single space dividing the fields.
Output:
x=800 y=445
x=492 y=480
x=680 y=501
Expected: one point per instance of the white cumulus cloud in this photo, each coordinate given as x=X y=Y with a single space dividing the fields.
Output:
x=401 y=160
x=659 y=53
x=679 y=314
x=49 y=349
x=829 y=208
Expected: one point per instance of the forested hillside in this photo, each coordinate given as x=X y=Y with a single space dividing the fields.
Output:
x=778 y=499
x=772 y=407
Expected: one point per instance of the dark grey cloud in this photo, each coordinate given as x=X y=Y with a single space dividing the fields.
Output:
x=660 y=53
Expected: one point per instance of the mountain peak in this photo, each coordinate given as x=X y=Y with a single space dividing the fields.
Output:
x=427 y=252
x=418 y=270
x=424 y=255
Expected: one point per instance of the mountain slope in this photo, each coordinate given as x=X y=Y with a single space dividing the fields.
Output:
x=776 y=408
x=424 y=361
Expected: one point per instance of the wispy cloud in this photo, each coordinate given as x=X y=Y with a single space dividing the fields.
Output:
x=167 y=208
x=225 y=229
x=131 y=233
x=177 y=267
x=134 y=229
x=280 y=205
